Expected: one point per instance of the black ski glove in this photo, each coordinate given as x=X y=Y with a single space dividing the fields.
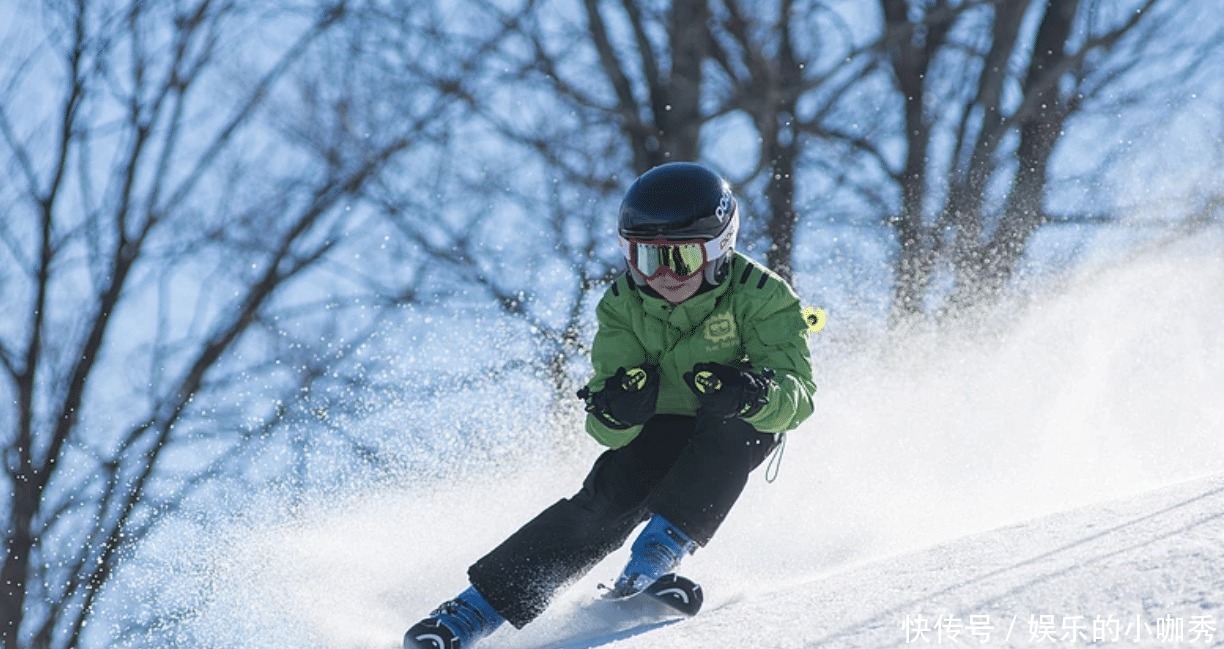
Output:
x=627 y=399
x=726 y=391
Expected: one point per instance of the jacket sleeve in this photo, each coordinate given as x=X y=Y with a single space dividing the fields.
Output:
x=615 y=346
x=776 y=338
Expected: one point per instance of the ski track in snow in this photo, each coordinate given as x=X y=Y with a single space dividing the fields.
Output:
x=1066 y=471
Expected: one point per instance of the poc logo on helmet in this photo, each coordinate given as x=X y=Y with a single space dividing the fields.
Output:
x=724 y=205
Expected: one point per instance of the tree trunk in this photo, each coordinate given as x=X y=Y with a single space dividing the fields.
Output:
x=1042 y=119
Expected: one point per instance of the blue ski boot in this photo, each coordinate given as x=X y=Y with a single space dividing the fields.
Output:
x=456 y=624
x=656 y=552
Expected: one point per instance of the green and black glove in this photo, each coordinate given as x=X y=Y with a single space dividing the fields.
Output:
x=628 y=398
x=726 y=392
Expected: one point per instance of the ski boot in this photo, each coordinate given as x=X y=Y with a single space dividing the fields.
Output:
x=656 y=552
x=456 y=624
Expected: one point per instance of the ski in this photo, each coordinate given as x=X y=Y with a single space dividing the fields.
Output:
x=677 y=593
x=614 y=617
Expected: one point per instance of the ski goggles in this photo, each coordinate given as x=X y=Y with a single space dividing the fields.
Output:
x=684 y=259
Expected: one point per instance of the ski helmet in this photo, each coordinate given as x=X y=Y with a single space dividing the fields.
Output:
x=669 y=209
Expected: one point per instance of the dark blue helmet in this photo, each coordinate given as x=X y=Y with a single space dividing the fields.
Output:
x=678 y=201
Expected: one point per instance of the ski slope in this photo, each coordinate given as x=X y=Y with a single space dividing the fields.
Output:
x=1148 y=570
x=1059 y=477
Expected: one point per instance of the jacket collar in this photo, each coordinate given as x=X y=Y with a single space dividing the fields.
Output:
x=690 y=313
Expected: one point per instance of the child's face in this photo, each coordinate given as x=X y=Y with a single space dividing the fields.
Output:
x=672 y=288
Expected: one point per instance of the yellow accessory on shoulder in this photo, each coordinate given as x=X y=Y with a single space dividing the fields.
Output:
x=815 y=318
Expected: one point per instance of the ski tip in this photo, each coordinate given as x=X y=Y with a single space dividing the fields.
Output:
x=679 y=593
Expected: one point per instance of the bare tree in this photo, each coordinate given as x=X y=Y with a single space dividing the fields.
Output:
x=955 y=144
x=771 y=60
x=941 y=119
x=656 y=83
x=600 y=97
x=167 y=242
x=544 y=198
x=1027 y=70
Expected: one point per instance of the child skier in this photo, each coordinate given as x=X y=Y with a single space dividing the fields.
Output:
x=700 y=364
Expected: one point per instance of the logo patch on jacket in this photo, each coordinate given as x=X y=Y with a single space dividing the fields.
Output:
x=720 y=330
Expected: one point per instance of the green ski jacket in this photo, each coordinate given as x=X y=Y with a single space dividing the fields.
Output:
x=752 y=320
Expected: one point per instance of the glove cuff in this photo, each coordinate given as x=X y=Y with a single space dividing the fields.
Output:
x=603 y=417
x=752 y=408
x=763 y=385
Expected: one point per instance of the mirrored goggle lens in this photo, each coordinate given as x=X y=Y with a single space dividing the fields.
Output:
x=683 y=259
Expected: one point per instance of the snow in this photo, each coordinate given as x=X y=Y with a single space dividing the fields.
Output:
x=1059 y=477
x=1127 y=570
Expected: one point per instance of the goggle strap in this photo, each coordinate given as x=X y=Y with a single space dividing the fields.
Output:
x=718 y=246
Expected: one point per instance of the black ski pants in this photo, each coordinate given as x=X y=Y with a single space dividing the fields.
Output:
x=690 y=470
